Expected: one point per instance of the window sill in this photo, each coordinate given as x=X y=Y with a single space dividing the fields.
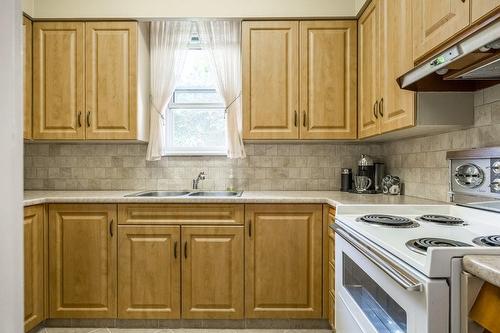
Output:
x=169 y=154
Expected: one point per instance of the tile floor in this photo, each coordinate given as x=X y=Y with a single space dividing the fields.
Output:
x=181 y=330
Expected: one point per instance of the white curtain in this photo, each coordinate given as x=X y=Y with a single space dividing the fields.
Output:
x=222 y=39
x=168 y=47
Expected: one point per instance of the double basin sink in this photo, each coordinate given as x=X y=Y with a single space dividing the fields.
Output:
x=165 y=194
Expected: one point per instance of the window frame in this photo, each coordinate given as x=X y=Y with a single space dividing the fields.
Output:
x=173 y=105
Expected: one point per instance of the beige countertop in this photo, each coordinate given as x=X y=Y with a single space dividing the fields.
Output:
x=332 y=198
x=485 y=267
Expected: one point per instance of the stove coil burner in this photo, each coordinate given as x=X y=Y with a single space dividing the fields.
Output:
x=493 y=240
x=441 y=219
x=420 y=245
x=388 y=221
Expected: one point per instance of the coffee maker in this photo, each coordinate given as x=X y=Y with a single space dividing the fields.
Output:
x=366 y=168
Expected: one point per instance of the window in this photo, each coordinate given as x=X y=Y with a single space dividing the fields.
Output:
x=195 y=118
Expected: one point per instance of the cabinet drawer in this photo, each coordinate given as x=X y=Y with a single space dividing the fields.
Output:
x=180 y=214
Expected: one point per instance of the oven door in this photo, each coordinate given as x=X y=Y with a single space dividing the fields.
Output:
x=375 y=292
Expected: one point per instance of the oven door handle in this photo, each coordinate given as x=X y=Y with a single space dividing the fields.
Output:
x=403 y=277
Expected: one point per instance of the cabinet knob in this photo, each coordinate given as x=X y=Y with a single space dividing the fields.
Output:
x=175 y=250
x=88 y=118
x=295 y=120
x=79 y=120
x=375 y=106
x=381 y=107
x=185 y=249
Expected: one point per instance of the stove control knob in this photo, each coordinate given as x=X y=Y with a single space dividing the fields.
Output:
x=495 y=167
x=495 y=185
x=469 y=175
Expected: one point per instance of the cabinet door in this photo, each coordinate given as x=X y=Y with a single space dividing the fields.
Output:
x=369 y=71
x=111 y=63
x=82 y=265
x=212 y=272
x=28 y=76
x=270 y=80
x=480 y=8
x=328 y=71
x=397 y=106
x=58 y=80
x=283 y=261
x=149 y=272
x=33 y=267
x=436 y=21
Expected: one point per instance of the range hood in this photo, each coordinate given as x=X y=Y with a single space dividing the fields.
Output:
x=471 y=64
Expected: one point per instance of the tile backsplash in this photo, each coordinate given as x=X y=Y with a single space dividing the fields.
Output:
x=421 y=162
x=83 y=166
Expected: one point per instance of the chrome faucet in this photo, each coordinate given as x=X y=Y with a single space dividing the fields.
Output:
x=201 y=176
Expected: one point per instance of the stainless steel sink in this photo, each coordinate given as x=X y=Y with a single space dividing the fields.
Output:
x=215 y=194
x=159 y=194
x=164 y=194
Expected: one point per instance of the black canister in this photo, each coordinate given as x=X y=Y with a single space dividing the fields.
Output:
x=346 y=180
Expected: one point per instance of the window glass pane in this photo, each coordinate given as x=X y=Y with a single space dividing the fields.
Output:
x=197 y=72
x=383 y=312
x=194 y=96
x=198 y=128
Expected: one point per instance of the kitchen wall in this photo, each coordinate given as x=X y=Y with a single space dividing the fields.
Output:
x=11 y=150
x=123 y=167
x=28 y=6
x=421 y=162
x=194 y=8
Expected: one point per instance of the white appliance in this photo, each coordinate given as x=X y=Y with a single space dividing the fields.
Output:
x=398 y=271
x=399 y=267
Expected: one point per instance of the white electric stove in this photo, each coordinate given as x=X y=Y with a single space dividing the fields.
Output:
x=399 y=267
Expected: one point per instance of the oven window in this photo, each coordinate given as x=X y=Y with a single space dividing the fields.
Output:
x=382 y=311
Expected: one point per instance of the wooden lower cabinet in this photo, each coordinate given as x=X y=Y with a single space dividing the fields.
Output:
x=271 y=267
x=82 y=264
x=212 y=272
x=33 y=266
x=149 y=272
x=283 y=261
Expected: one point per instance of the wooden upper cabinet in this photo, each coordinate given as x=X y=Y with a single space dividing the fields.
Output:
x=58 y=80
x=111 y=80
x=396 y=106
x=434 y=22
x=270 y=79
x=28 y=77
x=283 y=261
x=33 y=266
x=149 y=272
x=328 y=74
x=369 y=70
x=212 y=272
x=480 y=8
x=82 y=265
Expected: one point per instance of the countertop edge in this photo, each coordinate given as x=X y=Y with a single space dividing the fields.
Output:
x=131 y=200
x=485 y=267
